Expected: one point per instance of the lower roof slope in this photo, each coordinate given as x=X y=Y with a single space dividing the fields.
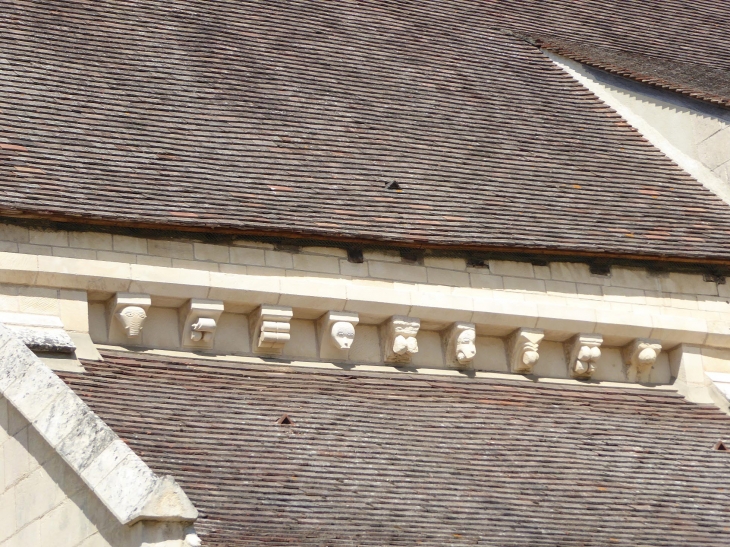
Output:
x=288 y=117
x=377 y=459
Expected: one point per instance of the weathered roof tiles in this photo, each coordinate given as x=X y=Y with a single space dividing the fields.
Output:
x=291 y=118
x=378 y=459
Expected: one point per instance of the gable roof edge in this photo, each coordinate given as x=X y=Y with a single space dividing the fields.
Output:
x=120 y=479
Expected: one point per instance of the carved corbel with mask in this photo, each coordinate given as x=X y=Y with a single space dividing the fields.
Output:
x=130 y=311
x=460 y=344
x=336 y=332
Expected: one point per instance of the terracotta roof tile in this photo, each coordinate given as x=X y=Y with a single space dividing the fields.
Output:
x=387 y=459
x=293 y=117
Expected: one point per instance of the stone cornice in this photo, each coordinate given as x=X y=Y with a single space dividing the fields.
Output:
x=488 y=309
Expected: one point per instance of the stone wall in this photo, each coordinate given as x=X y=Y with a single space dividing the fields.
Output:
x=695 y=134
x=43 y=502
x=498 y=297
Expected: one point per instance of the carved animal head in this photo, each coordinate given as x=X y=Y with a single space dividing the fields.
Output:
x=343 y=334
x=465 y=346
x=132 y=317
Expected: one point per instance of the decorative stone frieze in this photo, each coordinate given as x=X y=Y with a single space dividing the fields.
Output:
x=522 y=348
x=130 y=310
x=336 y=334
x=639 y=357
x=398 y=335
x=270 y=329
x=460 y=344
x=199 y=320
x=582 y=352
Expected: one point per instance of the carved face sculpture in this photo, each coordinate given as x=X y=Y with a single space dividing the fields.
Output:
x=465 y=347
x=343 y=334
x=132 y=317
x=402 y=345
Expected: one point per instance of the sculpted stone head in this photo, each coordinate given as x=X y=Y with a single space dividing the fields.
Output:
x=343 y=334
x=132 y=317
x=465 y=346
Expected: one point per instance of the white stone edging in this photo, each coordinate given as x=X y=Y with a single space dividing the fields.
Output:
x=120 y=479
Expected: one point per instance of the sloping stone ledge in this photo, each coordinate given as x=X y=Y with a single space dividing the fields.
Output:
x=120 y=479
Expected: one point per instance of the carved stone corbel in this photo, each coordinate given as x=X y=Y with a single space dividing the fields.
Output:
x=130 y=310
x=522 y=348
x=460 y=344
x=639 y=357
x=199 y=320
x=336 y=332
x=269 y=327
x=582 y=352
x=398 y=335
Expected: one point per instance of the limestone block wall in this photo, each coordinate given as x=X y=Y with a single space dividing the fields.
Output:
x=694 y=134
x=43 y=502
x=497 y=296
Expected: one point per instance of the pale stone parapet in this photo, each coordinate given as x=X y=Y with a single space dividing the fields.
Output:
x=117 y=476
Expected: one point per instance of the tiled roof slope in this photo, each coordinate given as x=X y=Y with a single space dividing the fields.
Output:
x=286 y=117
x=671 y=44
x=386 y=459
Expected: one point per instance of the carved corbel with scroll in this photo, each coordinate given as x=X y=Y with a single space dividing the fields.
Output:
x=199 y=320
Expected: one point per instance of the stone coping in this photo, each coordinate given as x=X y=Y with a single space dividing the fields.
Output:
x=120 y=479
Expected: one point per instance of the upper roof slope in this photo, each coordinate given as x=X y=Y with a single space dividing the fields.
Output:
x=418 y=460
x=672 y=44
x=291 y=118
